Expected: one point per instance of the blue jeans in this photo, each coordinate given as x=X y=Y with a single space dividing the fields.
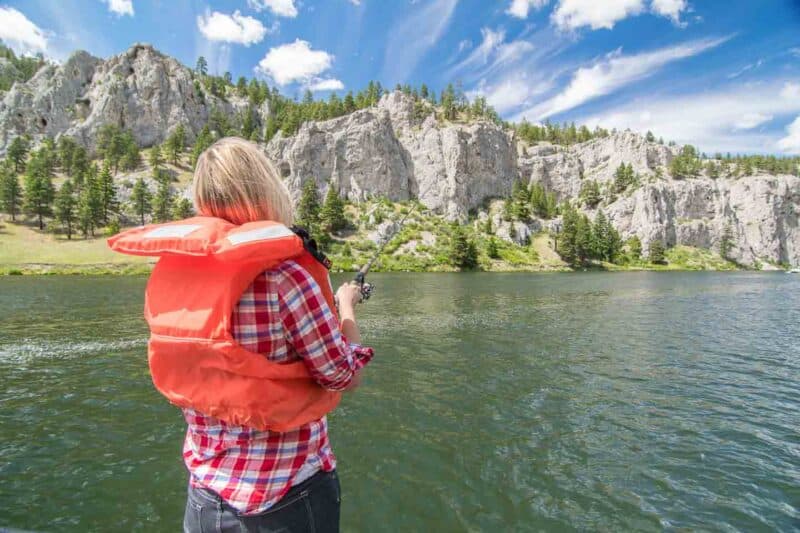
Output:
x=312 y=506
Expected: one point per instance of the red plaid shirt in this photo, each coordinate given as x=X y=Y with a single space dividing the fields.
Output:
x=284 y=316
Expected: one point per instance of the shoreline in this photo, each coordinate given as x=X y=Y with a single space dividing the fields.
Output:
x=141 y=269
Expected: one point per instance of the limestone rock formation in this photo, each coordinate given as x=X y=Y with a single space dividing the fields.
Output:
x=456 y=168
x=140 y=89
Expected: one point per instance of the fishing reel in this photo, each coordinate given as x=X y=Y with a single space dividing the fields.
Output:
x=366 y=287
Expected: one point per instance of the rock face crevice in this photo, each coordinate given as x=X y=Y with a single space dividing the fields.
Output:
x=392 y=150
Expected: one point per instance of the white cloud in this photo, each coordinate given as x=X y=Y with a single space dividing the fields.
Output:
x=671 y=9
x=281 y=8
x=573 y=14
x=614 y=72
x=355 y=2
x=412 y=38
x=749 y=121
x=294 y=62
x=790 y=91
x=711 y=119
x=330 y=84
x=235 y=28
x=508 y=95
x=120 y=7
x=492 y=53
x=521 y=8
x=795 y=51
x=18 y=32
x=466 y=44
x=791 y=143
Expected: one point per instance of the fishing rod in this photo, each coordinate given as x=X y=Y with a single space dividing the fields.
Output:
x=361 y=275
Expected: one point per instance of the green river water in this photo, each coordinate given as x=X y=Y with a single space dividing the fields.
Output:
x=496 y=402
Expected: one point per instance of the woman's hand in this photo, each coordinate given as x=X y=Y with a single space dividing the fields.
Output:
x=349 y=294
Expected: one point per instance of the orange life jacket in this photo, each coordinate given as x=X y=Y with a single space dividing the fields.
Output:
x=205 y=265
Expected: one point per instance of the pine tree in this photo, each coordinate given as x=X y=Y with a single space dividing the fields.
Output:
x=155 y=158
x=463 y=252
x=39 y=191
x=241 y=86
x=331 y=215
x=80 y=165
x=520 y=201
x=650 y=137
x=657 y=252
x=131 y=158
x=726 y=242
x=66 y=207
x=90 y=204
x=308 y=207
x=635 y=248
x=108 y=193
x=203 y=141
x=140 y=199
x=202 y=66
x=18 y=153
x=10 y=190
x=567 y=242
x=181 y=208
x=590 y=193
x=162 y=203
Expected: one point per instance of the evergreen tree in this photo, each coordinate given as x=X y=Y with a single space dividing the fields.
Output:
x=463 y=252
x=590 y=193
x=39 y=191
x=90 y=204
x=203 y=141
x=568 y=239
x=162 y=203
x=520 y=201
x=308 y=207
x=140 y=199
x=79 y=167
x=241 y=86
x=155 y=158
x=686 y=164
x=331 y=215
x=623 y=177
x=726 y=242
x=10 y=190
x=66 y=207
x=657 y=252
x=635 y=248
x=18 y=153
x=202 y=66
x=181 y=208
x=108 y=193
x=131 y=158
x=66 y=149
x=650 y=137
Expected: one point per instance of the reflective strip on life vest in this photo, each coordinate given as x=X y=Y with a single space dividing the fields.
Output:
x=180 y=231
x=260 y=234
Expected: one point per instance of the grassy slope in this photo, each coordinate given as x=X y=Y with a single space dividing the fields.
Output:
x=26 y=249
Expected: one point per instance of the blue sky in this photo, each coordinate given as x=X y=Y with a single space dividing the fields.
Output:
x=724 y=75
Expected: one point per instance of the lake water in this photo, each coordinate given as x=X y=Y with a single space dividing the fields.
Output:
x=519 y=402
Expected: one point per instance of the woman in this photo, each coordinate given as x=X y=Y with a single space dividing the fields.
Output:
x=243 y=478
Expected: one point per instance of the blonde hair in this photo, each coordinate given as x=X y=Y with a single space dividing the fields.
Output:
x=235 y=181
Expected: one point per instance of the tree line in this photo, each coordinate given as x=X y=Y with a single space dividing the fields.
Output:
x=22 y=68
x=88 y=197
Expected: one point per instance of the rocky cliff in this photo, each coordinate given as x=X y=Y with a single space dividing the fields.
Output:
x=141 y=89
x=390 y=151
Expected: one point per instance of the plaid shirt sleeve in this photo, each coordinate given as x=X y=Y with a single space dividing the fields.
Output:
x=312 y=331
